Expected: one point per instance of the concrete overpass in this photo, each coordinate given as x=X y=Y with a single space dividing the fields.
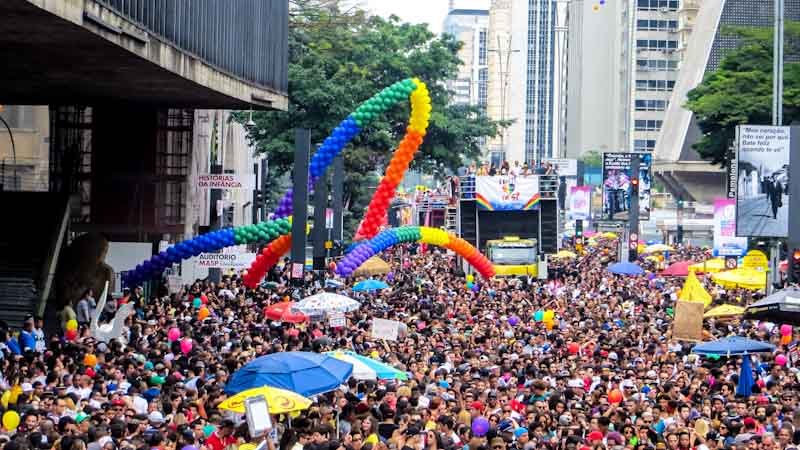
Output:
x=181 y=53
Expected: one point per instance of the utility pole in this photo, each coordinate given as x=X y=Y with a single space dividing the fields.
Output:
x=633 y=211
x=302 y=148
x=338 y=203
x=320 y=232
x=777 y=120
x=503 y=84
x=793 y=247
x=679 y=221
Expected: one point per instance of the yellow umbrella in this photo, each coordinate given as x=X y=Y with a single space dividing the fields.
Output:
x=692 y=291
x=609 y=235
x=709 y=266
x=373 y=266
x=657 y=248
x=724 y=311
x=652 y=258
x=742 y=278
x=280 y=401
x=565 y=254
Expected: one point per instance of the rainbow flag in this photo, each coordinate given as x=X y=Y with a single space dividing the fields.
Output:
x=532 y=203
x=483 y=203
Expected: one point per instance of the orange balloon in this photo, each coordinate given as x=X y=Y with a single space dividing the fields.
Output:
x=615 y=396
x=90 y=360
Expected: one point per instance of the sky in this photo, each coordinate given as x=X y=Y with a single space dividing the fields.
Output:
x=431 y=12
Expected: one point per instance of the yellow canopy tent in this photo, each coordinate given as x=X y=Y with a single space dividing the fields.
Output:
x=373 y=266
x=657 y=248
x=565 y=254
x=709 y=266
x=609 y=235
x=280 y=401
x=692 y=291
x=742 y=278
x=724 y=311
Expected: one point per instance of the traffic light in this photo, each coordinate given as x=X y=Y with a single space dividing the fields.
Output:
x=579 y=235
x=635 y=183
x=794 y=270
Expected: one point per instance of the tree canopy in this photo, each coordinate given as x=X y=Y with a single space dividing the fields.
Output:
x=740 y=90
x=337 y=59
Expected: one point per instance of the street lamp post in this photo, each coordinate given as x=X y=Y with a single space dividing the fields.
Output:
x=503 y=84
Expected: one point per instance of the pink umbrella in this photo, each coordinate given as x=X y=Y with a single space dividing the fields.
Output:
x=678 y=269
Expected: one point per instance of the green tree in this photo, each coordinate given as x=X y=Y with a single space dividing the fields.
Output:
x=592 y=158
x=338 y=59
x=740 y=90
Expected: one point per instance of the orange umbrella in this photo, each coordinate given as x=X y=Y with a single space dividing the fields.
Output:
x=283 y=312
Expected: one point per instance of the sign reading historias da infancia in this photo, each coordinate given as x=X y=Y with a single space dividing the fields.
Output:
x=226 y=181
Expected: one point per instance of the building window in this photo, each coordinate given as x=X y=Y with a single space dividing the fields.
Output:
x=647 y=125
x=655 y=65
x=482 y=47
x=655 y=85
x=651 y=105
x=656 y=44
x=657 y=5
x=656 y=25
x=641 y=145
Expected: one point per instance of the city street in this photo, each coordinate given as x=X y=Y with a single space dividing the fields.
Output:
x=758 y=217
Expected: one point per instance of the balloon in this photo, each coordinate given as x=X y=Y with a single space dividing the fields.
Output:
x=208 y=430
x=374 y=354
x=513 y=321
x=71 y=335
x=173 y=334
x=186 y=345
x=615 y=396
x=786 y=330
x=549 y=315
x=538 y=316
x=480 y=426
x=786 y=340
x=197 y=302
x=549 y=324
x=90 y=372
x=470 y=277
x=469 y=284
x=5 y=398
x=204 y=299
x=10 y=420
x=72 y=325
x=573 y=348
x=203 y=313
x=475 y=288
x=780 y=360
x=90 y=360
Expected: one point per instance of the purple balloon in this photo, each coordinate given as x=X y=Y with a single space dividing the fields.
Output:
x=480 y=426
x=390 y=276
x=513 y=321
x=475 y=287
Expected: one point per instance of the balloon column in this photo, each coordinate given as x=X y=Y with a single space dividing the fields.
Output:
x=345 y=132
x=417 y=126
x=427 y=235
x=268 y=258
x=210 y=242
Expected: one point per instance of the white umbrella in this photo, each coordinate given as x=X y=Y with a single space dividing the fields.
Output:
x=325 y=303
x=361 y=371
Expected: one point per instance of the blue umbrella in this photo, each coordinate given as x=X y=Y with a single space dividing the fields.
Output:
x=370 y=285
x=625 y=268
x=302 y=372
x=745 y=386
x=732 y=345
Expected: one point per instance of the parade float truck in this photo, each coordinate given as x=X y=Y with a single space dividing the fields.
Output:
x=512 y=256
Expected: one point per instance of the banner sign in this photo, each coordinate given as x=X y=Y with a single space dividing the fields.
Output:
x=756 y=260
x=563 y=167
x=337 y=320
x=762 y=192
x=226 y=181
x=725 y=241
x=507 y=192
x=385 y=329
x=580 y=202
x=236 y=261
x=617 y=185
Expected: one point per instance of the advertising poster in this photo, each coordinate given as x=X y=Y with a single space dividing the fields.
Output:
x=762 y=197
x=617 y=185
x=580 y=202
x=725 y=241
x=507 y=193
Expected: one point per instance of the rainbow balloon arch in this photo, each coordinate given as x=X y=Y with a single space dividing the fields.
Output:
x=276 y=233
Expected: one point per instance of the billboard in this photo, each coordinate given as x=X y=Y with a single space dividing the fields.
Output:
x=580 y=203
x=725 y=241
x=762 y=182
x=617 y=185
x=507 y=192
x=564 y=167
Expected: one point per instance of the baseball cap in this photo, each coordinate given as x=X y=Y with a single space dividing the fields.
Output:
x=476 y=405
x=595 y=436
x=520 y=431
x=155 y=417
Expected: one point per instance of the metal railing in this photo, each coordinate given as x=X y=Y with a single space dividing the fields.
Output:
x=245 y=38
x=548 y=186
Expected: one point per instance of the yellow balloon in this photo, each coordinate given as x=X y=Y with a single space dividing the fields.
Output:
x=16 y=390
x=470 y=278
x=549 y=315
x=10 y=420
x=72 y=325
x=5 y=398
x=374 y=354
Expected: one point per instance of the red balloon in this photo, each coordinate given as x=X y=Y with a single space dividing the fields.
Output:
x=71 y=335
x=615 y=396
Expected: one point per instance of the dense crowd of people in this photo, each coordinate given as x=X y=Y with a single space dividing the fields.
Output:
x=603 y=374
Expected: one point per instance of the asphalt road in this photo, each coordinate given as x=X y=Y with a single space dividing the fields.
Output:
x=755 y=217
